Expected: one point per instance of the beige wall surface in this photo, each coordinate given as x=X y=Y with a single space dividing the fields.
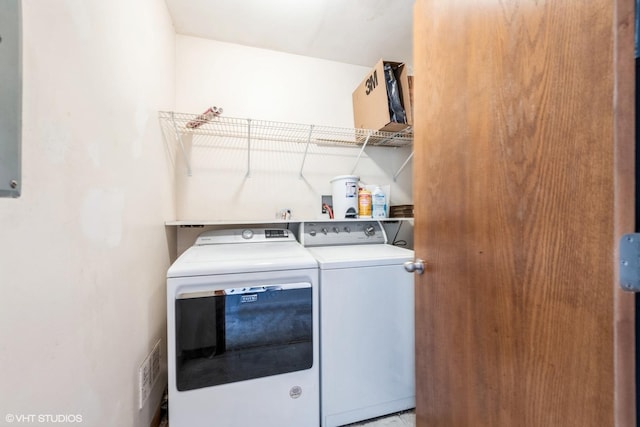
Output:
x=83 y=252
x=260 y=84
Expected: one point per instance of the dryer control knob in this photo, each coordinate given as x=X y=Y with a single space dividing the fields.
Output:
x=325 y=231
x=247 y=234
x=370 y=230
x=312 y=233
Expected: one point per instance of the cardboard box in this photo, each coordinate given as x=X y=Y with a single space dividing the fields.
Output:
x=371 y=100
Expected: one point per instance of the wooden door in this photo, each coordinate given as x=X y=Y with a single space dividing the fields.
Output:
x=523 y=184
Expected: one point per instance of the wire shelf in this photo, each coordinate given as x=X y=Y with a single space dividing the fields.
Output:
x=231 y=127
x=209 y=132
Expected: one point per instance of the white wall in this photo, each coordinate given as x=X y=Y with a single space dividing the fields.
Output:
x=83 y=252
x=266 y=85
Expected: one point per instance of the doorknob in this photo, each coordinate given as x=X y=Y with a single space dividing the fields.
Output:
x=416 y=266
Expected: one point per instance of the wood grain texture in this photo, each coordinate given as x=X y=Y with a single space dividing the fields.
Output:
x=514 y=184
x=624 y=210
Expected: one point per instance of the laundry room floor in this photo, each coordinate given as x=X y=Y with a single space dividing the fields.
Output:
x=402 y=419
x=399 y=419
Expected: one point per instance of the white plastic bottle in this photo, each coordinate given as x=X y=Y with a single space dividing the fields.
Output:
x=378 y=203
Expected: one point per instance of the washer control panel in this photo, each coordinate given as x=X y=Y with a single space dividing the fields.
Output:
x=342 y=233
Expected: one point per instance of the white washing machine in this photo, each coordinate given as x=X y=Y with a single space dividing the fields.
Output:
x=367 y=363
x=242 y=331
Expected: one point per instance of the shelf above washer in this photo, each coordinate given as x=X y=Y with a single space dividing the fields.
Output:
x=249 y=131
x=201 y=223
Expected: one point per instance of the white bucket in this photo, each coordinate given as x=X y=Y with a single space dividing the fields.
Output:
x=344 y=191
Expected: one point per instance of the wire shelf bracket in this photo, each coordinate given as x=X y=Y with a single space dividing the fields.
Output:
x=406 y=162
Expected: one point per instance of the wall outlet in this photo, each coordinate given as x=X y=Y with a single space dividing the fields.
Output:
x=326 y=200
x=148 y=374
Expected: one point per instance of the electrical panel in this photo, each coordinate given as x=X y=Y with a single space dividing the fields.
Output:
x=10 y=98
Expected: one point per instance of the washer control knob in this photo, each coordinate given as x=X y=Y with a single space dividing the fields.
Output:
x=369 y=230
x=312 y=233
x=324 y=230
x=347 y=229
x=247 y=234
x=336 y=230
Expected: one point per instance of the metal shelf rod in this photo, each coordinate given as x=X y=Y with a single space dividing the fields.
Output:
x=179 y=140
x=366 y=141
x=248 y=148
x=395 y=175
x=306 y=150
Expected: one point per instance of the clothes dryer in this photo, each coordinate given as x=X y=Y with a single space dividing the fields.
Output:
x=242 y=331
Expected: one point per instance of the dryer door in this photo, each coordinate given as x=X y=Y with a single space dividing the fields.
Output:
x=241 y=333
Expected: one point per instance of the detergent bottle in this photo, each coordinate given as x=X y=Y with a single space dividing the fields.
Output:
x=378 y=203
